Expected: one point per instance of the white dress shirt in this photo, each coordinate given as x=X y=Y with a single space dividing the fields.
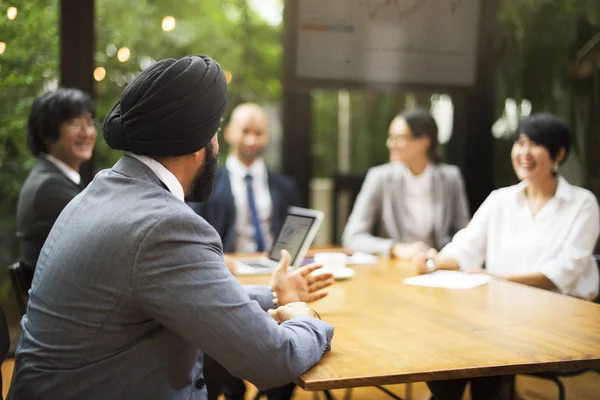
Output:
x=64 y=168
x=418 y=204
x=245 y=240
x=558 y=241
x=165 y=176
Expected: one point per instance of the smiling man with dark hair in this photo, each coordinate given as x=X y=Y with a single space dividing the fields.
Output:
x=61 y=133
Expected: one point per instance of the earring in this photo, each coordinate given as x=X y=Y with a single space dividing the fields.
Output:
x=555 y=168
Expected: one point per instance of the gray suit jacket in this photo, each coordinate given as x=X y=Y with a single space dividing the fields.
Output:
x=380 y=207
x=129 y=286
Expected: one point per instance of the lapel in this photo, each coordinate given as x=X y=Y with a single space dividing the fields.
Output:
x=223 y=191
x=277 y=202
x=437 y=195
x=44 y=166
x=397 y=206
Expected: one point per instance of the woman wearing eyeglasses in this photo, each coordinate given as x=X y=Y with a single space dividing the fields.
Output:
x=412 y=203
x=61 y=134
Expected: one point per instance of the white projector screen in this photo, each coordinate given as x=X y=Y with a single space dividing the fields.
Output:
x=422 y=42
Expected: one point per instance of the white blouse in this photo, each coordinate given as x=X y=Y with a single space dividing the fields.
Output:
x=418 y=203
x=558 y=241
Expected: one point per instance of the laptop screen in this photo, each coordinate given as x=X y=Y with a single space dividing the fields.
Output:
x=292 y=235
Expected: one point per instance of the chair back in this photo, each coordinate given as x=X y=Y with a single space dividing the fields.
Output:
x=20 y=278
x=348 y=185
x=4 y=343
x=597 y=257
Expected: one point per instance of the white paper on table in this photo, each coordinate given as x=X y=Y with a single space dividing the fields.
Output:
x=449 y=280
x=361 y=258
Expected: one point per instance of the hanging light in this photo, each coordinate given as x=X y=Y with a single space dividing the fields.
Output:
x=12 y=12
x=123 y=54
x=168 y=23
x=99 y=74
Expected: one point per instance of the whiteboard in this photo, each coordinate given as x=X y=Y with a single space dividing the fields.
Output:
x=387 y=41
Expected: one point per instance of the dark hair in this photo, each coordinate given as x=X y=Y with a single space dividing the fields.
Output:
x=421 y=123
x=50 y=110
x=547 y=130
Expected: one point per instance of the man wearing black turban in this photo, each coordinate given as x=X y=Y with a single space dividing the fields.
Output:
x=131 y=286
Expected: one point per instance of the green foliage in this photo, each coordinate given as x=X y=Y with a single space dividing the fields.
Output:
x=538 y=38
x=29 y=62
x=537 y=42
x=227 y=30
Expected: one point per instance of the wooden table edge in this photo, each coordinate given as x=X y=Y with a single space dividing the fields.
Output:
x=510 y=369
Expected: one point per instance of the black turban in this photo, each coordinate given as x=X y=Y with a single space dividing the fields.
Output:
x=172 y=108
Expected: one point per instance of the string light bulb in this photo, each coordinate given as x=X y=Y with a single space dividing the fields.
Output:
x=12 y=12
x=123 y=54
x=99 y=74
x=168 y=23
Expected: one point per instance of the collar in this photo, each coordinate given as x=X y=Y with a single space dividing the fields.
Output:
x=163 y=174
x=563 y=189
x=64 y=168
x=237 y=169
x=424 y=175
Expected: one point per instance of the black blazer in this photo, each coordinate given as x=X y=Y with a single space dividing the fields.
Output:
x=44 y=194
x=219 y=209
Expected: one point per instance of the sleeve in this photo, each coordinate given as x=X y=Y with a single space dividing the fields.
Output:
x=180 y=280
x=469 y=245
x=577 y=250
x=365 y=214
x=262 y=295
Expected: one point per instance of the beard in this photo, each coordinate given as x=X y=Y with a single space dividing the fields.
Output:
x=204 y=180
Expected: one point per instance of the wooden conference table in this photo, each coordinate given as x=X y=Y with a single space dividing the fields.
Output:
x=389 y=333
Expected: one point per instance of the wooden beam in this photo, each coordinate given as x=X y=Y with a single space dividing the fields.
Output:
x=77 y=43
x=296 y=160
x=473 y=149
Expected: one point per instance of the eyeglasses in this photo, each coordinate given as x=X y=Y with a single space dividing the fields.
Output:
x=77 y=124
x=395 y=139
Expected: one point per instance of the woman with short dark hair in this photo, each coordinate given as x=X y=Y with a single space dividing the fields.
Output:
x=541 y=232
x=413 y=202
x=61 y=133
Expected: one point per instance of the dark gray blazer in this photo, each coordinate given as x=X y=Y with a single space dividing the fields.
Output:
x=219 y=209
x=44 y=194
x=380 y=206
x=130 y=287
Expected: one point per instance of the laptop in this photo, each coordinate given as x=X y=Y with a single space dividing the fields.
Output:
x=296 y=235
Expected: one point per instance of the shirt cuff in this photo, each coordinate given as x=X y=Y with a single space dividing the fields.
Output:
x=561 y=277
x=463 y=261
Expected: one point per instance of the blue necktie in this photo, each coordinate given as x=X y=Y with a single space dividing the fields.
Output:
x=260 y=241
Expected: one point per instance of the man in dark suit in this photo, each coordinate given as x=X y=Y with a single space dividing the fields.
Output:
x=249 y=202
x=247 y=208
x=61 y=134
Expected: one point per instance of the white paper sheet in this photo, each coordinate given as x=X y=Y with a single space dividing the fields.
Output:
x=449 y=280
x=362 y=258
